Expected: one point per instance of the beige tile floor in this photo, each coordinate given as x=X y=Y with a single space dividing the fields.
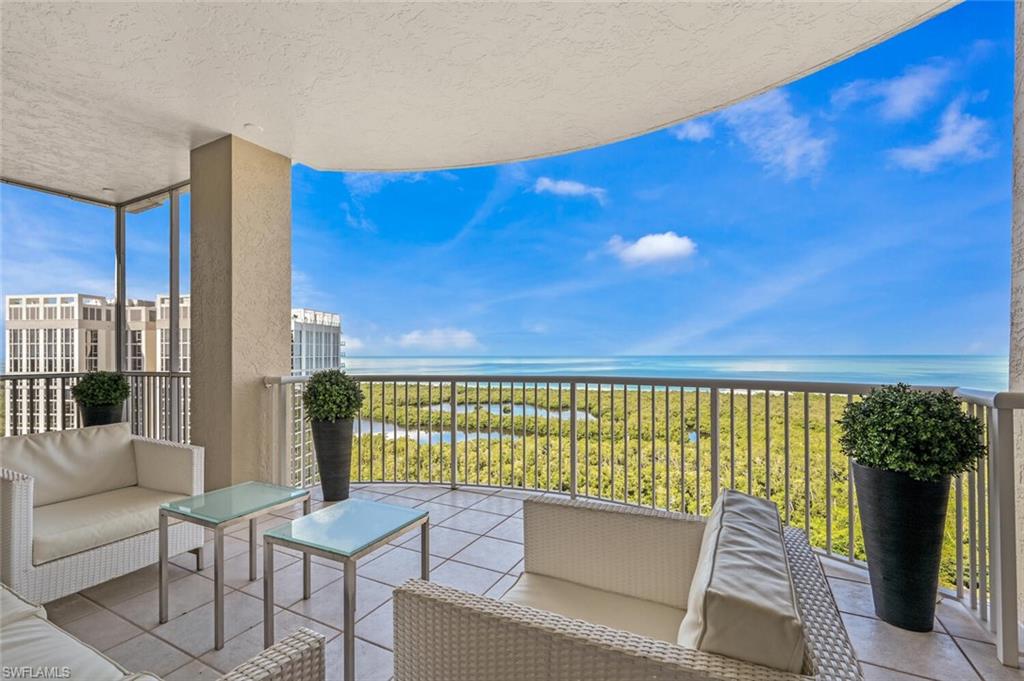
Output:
x=476 y=545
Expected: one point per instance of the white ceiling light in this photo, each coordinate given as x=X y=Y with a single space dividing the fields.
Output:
x=116 y=94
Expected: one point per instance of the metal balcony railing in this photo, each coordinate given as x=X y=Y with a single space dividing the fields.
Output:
x=672 y=444
x=158 y=405
x=662 y=443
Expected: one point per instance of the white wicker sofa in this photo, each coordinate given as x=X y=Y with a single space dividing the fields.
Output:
x=80 y=507
x=624 y=593
x=33 y=647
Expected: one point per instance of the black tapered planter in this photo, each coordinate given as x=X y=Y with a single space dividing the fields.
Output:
x=332 y=441
x=903 y=522
x=102 y=414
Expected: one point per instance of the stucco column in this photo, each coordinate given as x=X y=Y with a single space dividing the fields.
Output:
x=1017 y=283
x=241 y=304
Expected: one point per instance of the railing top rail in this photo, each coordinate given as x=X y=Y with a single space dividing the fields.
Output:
x=720 y=383
x=79 y=374
x=988 y=398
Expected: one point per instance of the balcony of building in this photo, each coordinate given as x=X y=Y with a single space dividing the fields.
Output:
x=194 y=114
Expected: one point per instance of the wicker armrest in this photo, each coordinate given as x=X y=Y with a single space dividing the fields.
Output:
x=443 y=634
x=15 y=523
x=169 y=466
x=639 y=552
x=299 y=657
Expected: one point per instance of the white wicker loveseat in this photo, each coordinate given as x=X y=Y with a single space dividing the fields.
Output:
x=80 y=507
x=604 y=595
x=33 y=647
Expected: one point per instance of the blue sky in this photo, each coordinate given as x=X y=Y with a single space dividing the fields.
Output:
x=863 y=209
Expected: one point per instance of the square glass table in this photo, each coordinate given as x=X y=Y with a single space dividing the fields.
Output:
x=344 y=532
x=218 y=510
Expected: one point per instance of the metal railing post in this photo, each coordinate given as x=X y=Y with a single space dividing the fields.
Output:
x=573 y=464
x=453 y=427
x=1002 y=519
x=715 y=470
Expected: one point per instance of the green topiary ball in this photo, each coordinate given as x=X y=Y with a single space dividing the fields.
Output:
x=926 y=435
x=101 y=388
x=332 y=395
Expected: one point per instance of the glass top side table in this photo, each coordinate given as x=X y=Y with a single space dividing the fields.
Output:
x=344 y=532
x=218 y=510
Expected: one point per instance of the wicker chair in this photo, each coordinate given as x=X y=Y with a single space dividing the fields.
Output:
x=158 y=471
x=444 y=634
x=29 y=641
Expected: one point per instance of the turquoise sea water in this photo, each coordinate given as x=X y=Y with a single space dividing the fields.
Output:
x=985 y=372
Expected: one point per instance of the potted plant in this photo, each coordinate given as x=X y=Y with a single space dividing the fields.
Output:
x=100 y=396
x=905 y=445
x=331 y=399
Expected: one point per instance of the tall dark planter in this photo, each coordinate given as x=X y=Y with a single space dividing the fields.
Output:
x=903 y=521
x=102 y=414
x=332 y=441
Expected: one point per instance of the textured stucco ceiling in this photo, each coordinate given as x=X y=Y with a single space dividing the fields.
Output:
x=115 y=95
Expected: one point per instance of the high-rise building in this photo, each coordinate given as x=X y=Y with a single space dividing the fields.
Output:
x=316 y=341
x=72 y=333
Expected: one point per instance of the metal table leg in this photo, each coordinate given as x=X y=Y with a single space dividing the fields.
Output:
x=252 y=549
x=425 y=551
x=307 y=581
x=350 y=620
x=268 y=594
x=218 y=588
x=163 y=567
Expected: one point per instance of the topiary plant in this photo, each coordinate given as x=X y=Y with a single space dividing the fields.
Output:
x=923 y=434
x=101 y=388
x=332 y=395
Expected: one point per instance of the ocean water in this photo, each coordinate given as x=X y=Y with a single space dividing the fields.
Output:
x=984 y=372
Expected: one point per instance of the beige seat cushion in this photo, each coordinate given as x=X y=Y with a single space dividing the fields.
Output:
x=36 y=643
x=69 y=464
x=13 y=607
x=81 y=524
x=742 y=603
x=636 y=615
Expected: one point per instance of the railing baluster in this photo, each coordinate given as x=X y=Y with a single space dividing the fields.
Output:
x=732 y=438
x=850 y=517
x=613 y=430
x=696 y=464
x=828 y=473
x=785 y=455
x=408 y=422
x=536 y=439
x=767 y=444
x=600 y=451
x=750 y=442
x=668 y=450
x=453 y=425
x=524 y=434
x=807 y=462
x=715 y=472
x=982 y=535
x=573 y=463
x=959 y=504
x=625 y=444
x=684 y=440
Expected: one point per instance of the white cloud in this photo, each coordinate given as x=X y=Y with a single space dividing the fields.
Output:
x=353 y=344
x=779 y=138
x=652 y=248
x=446 y=338
x=692 y=131
x=961 y=138
x=545 y=185
x=902 y=97
x=367 y=184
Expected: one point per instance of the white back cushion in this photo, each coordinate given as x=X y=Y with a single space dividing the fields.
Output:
x=69 y=464
x=742 y=603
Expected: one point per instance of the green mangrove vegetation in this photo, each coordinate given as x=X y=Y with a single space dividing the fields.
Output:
x=644 y=446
